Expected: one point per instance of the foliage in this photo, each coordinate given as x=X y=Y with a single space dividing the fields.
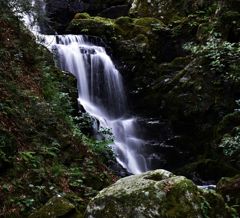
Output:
x=42 y=150
x=231 y=144
x=219 y=54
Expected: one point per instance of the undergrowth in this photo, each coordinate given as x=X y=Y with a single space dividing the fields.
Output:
x=42 y=150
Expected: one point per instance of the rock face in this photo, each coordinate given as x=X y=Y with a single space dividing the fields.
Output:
x=165 y=9
x=156 y=194
x=192 y=94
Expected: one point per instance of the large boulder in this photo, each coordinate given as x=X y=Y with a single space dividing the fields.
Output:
x=156 y=194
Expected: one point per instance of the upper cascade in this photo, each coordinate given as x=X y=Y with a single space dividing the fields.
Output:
x=35 y=18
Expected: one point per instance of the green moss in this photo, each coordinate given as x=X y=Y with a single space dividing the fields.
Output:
x=123 y=21
x=96 y=26
x=156 y=194
x=55 y=207
x=147 y=21
x=123 y=27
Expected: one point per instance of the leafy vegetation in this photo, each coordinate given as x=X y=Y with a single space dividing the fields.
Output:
x=42 y=150
x=220 y=58
x=219 y=53
x=231 y=144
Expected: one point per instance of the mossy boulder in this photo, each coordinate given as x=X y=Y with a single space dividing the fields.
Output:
x=96 y=26
x=57 y=206
x=110 y=29
x=156 y=194
x=229 y=188
x=129 y=38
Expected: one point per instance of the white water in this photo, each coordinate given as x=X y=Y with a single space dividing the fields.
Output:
x=100 y=91
x=102 y=95
x=30 y=18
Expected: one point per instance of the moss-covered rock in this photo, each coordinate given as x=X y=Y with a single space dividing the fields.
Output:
x=156 y=194
x=56 y=207
x=229 y=188
x=96 y=26
x=112 y=29
x=130 y=39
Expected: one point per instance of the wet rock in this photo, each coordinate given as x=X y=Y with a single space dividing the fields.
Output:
x=131 y=40
x=156 y=194
x=57 y=207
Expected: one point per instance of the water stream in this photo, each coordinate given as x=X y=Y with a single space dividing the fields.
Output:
x=102 y=95
x=100 y=90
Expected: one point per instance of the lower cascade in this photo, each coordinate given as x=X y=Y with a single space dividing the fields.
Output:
x=101 y=93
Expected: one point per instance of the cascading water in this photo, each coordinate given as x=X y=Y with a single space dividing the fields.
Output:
x=102 y=95
x=100 y=92
x=35 y=19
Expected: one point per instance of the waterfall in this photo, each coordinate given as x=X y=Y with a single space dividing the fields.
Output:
x=100 y=92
